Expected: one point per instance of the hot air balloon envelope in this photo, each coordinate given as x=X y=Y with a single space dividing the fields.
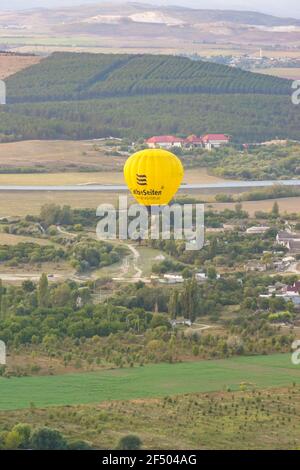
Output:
x=153 y=176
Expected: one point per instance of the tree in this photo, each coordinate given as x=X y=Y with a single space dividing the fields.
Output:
x=239 y=209
x=28 y=286
x=211 y=272
x=173 y=305
x=190 y=299
x=1 y=292
x=50 y=214
x=130 y=442
x=43 y=291
x=62 y=295
x=79 y=445
x=24 y=431
x=12 y=440
x=48 y=439
x=275 y=210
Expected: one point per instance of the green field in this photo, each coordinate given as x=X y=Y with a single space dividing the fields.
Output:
x=149 y=381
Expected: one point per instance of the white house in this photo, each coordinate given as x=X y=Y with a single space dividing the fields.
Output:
x=290 y=240
x=172 y=279
x=164 y=141
x=257 y=230
x=211 y=141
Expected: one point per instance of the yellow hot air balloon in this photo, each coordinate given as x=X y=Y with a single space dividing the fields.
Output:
x=153 y=176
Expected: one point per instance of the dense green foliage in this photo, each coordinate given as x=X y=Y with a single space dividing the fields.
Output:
x=248 y=118
x=22 y=436
x=87 y=96
x=30 y=253
x=69 y=76
x=259 y=163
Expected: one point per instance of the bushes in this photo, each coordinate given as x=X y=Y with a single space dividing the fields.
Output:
x=30 y=253
x=48 y=439
x=130 y=442
x=21 y=436
x=89 y=255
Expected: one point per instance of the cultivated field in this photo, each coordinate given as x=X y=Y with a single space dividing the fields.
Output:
x=196 y=175
x=289 y=205
x=9 y=239
x=292 y=73
x=10 y=64
x=31 y=202
x=148 y=382
x=21 y=204
x=59 y=155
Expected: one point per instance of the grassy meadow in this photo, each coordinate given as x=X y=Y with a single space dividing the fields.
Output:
x=151 y=381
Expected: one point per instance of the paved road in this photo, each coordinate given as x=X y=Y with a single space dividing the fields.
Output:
x=119 y=188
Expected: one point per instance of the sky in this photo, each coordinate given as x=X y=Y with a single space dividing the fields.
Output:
x=288 y=8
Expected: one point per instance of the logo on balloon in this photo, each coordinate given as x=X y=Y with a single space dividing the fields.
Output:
x=141 y=180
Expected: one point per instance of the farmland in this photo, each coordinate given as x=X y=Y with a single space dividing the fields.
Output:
x=148 y=382
x=58 y=156
x=10 y=64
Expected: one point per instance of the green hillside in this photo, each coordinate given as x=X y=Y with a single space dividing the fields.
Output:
x=77 y=96
x=69 y=76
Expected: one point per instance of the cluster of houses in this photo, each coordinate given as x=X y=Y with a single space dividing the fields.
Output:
x=208 y=141
x=289 y=240
x=286 y=292
x=172 y=278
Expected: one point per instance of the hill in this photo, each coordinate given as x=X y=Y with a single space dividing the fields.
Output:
x=69 y=76
x=139 y=21
x=80 y=96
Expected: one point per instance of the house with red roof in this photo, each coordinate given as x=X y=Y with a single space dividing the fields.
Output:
x=294 y=289
x=194 y=141
x=215 y=140
x=208 y=141
x=165 y=141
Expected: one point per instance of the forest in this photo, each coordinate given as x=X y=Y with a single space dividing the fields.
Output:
x=100 y=75
x=137 y=96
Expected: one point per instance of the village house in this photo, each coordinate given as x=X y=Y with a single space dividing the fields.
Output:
x=208 y=141
x=211 y=141
x=172 y=279
x=257 y=230
x=294 y=289
x=164 y=141
x=184 y=322
x=283 y=291
x=289 y=240
x=257 y=266
x=293 y=297
x=193 y=141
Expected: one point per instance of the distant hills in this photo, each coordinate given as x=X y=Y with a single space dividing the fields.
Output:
x=142 y=21
x=69 y=95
